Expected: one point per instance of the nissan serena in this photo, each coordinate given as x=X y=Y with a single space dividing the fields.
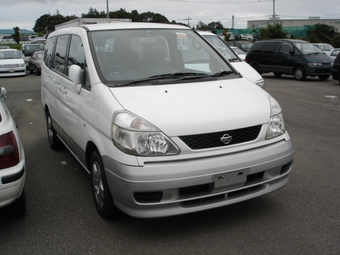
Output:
x=160 y=120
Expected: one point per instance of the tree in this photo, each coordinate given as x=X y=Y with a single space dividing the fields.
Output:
x=201 y=26
x=48 y=22
x=276 y=31
x=16 y=35
x=93 y=13
x=212 y=26
x=321 y=33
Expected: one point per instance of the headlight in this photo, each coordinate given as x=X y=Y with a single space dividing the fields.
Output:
x=136 y=136
x=276 y=125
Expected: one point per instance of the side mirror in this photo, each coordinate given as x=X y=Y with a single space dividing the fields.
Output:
x=75 y=73
x=3 y=92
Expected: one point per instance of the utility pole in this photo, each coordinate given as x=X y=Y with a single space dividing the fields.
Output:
x=188 y=20
x=107 y=9
x=274 y=12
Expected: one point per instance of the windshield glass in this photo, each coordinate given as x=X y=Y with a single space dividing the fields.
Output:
x=29 y=49
x=221 y=47
x=10 y=54
x=123 y=56
x=307 y=48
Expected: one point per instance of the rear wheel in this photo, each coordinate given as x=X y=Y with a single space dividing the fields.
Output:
x=300 y=73
x=323 y=77
x=100 y=188
x=53 y=139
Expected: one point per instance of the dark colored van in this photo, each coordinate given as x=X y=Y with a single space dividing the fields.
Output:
x=292 y=57
x=336 y=68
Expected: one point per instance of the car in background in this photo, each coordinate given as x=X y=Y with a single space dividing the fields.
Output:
x=325 y=47
x=243 y=45
x=24 y=39
x=12 y=164
x=336 y=68
x=334 y=53
x=3 y=47
x=28 y=49
x=7 y=39
x=11 y=63
x=34 y=64
x=235 y=60
x=290 y=57
x=239 y=52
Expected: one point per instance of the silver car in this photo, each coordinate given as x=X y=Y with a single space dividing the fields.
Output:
x=12 y=164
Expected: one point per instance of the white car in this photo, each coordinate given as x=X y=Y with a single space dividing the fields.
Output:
x=11 y=63
x=239 y=52
x=235 y=59
x=325 y=47
x=161 y=121
x=12 y=164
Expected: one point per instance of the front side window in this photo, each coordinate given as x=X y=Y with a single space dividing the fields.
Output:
x=286 y=49
x=133 y=56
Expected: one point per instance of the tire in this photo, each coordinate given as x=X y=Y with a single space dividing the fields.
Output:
x=278 y=74
x=323 y=77
x=31 y=70
x=53 y=139
x=300 y=73
x=18 y=207
x=100 y=189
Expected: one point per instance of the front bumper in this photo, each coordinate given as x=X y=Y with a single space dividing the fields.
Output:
x=178 y=187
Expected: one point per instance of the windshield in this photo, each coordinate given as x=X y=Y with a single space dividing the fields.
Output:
x=13 y=54
x=307 y=48
x=29 y=49
x=125 y=56
x=221 y=47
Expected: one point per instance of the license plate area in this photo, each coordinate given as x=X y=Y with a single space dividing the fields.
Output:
x=230 y=180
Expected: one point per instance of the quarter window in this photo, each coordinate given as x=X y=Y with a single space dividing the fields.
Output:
x=60 y=54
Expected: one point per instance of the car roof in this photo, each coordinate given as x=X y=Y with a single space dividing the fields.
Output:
x=282 y=40
x=123 y=25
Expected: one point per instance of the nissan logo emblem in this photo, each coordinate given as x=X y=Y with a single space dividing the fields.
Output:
x=226 y=139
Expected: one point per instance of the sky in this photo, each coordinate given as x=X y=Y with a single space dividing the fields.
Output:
x=24 y=13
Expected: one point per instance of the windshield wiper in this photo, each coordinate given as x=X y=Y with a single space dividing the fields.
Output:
x=179 y=76
x=223 y=73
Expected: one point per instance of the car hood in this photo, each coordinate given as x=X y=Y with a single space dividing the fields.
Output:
x=247 y=71
x=323 y=58
x=12 y=61
x=194 y=108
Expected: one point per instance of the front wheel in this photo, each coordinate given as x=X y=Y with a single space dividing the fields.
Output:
x=53 y=139
x=323 y=77
x=100 y=188
x=300 y=73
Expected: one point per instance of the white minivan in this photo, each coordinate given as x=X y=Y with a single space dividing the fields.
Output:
x=243 y=67
x=161 y=121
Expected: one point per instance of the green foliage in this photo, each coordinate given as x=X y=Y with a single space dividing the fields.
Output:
x=336 y=41
x=16 y=35
x=321 y=33
x=47 y=22
x=276 y=31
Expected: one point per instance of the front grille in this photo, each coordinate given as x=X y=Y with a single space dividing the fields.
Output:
x=11 y=66
x=212 y=140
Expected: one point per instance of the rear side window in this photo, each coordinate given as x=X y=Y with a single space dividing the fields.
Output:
x=49 y=51
x=257 y=47
x=270 y=47
x=60 y=54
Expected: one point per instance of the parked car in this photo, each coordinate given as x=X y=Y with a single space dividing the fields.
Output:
x=7 y=39
x=291 y=57
x=11 y=63
x=3 y=47
x=34 y=64
x=239 y=52
x=24 y=39
x=28 y=49
x=12 y=164
x=246 y=70
x=325 y=47
x=243 y=45
x=334 y=53
x=336 y=68
x=162 y=122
